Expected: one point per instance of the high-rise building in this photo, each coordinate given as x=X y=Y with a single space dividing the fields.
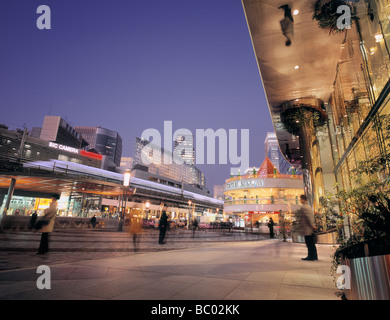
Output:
x=272 y=151
x=218 y=192
x=56 y=129
x=185 y=144
x=106 y=142
x=154 y=163
x=126 y=164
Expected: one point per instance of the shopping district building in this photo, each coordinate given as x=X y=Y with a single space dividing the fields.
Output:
x=32 y=169
x=327 y=89
x=254 y=198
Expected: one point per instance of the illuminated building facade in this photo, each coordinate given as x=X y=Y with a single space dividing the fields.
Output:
x=327 y=89
x=106 y=142
x=256 y=197
x=162 y=166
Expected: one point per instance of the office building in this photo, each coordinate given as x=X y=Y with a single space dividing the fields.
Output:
x=154 y=163
x=106 y=142
x=56 y=129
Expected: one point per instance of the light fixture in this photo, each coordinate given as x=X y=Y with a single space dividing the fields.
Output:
x=372 y=50
x=126 y=178
x=295 y=12
x=296 y=67
x=378 y=36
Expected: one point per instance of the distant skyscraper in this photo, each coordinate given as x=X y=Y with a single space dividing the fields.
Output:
x=186 y=145
x=272 y=149
x=218 y=192
x=104 y=141
x=273 y=152
x=126 y=164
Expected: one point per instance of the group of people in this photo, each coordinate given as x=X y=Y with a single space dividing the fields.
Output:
x=305 y=217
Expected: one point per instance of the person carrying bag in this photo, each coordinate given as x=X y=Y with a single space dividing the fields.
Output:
x=45 y=225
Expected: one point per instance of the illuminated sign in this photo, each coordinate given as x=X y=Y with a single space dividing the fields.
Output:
x=243 y=184
x=64 y=148
x=84 y=153
x=91 y=155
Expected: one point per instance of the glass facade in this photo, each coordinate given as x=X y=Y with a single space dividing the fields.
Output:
x=347 y=73
x=160 y=162
x=104 y=141
x=13 y=149
x=360 y=97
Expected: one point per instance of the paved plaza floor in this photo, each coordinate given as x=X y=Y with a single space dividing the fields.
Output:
x=98 y=265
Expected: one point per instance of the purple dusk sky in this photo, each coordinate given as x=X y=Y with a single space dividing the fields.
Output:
x=128 y=65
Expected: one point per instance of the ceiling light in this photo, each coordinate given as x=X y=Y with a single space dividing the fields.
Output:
x=295 y=12
x=296 y=67
x=378 y=36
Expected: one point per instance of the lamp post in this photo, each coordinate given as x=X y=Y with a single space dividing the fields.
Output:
x=189 y=213
x=126 y=184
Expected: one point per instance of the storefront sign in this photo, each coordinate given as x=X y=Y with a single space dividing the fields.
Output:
x=243 y=184
x=64 y=148
x=84 y=153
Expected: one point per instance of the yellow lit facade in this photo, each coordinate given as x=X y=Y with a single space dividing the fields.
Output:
x=256 y=197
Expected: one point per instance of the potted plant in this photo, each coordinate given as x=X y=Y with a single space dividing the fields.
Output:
x=366 y=253
x=326 y=14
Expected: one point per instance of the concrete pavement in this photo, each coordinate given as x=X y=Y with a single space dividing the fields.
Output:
x=209 y=267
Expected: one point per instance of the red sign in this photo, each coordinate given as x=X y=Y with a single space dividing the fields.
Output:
x=91 y=155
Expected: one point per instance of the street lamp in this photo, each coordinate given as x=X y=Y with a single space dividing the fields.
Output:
x=189 y=213
x=126 y=184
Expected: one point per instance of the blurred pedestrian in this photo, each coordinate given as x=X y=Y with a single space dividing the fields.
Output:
x=136 y=226
x=307 y=228
x=93 y=221
x=163 y=224
x=271 y=227
x=283 y=227
x=33 y=219
x=46 y=224
x=194 y=227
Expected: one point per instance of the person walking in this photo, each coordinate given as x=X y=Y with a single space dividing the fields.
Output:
x=135 y=229
x=283 y=229
x=163 y=224
x=271 y=227
x=307 y=228
x=93 y=221
x=33 y=219
x=194 y=227
x=46 y=224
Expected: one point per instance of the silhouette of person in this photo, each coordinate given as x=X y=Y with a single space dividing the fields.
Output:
x=163 y=225
x=46 y=224
x=307 y=228
x=271 y=227
x=194 y=226
x=93 y=221
x=136 y=230
x=287 y=24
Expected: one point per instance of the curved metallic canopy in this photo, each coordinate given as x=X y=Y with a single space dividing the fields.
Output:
x=304 y=69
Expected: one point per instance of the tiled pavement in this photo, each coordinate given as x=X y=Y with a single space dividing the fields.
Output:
x=99 y=265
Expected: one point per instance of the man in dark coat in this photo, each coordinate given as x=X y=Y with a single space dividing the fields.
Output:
x=271 y=227
x=163 y=225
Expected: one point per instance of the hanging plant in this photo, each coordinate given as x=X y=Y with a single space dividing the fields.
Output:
x=327 y=17
x=294 y=118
